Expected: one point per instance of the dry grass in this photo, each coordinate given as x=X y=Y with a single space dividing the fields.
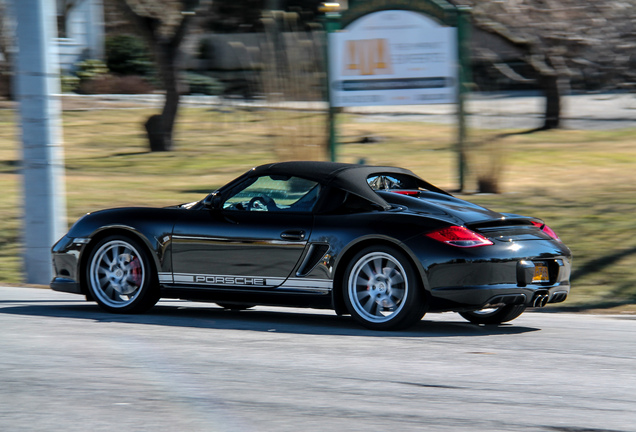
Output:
x=580 y=182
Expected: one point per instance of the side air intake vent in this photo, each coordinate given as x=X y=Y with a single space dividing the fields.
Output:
x=313 y=257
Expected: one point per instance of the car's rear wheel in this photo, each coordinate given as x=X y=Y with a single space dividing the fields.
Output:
x=494 y=315
x=120 y=276
x=382 y=291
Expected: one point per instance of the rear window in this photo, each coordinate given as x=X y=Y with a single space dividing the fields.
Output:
x=383 y=182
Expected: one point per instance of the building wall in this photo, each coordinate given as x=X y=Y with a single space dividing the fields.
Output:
x=85 y=34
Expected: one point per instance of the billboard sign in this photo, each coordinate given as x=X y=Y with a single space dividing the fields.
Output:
x=393 y=57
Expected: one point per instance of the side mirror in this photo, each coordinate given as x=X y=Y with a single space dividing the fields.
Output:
x=213 y=201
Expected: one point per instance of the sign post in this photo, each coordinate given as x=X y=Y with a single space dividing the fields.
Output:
x=399 y=52
x=393 y=57
x=463 y=28
x=332 y=24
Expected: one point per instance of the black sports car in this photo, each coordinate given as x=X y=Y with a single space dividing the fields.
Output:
x=375 y=242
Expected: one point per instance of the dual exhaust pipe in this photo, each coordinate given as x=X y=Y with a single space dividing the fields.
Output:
x=540 y=300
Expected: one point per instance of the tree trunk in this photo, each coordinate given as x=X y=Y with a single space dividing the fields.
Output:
x=160 y=127
x=551 y=88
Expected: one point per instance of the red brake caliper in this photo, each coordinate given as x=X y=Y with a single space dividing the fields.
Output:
x=136 y=271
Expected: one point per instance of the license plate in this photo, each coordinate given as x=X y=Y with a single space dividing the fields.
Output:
x=540 y=273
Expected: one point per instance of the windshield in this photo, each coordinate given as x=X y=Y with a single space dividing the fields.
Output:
x=274 y=193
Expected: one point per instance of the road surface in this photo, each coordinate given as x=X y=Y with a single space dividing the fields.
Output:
x=67 y=366
x=505 y=110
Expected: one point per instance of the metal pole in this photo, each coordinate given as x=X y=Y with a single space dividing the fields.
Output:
x=332 y=24
x=463 y=51
x=38 y=89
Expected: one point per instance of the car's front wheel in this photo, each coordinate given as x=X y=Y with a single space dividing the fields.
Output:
x=382 y=291
x=494 y=315
x=120 y=276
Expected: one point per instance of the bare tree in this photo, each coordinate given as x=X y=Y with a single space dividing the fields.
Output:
x=7 y=46
x=566 y=43
x=164 y=25
x=292 y=70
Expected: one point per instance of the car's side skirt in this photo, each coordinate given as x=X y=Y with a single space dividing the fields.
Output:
x=249 y=296
x=198 y=281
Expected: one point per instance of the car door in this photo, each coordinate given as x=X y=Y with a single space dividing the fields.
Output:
x=254 y=238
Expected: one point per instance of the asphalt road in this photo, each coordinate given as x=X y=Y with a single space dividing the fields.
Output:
x=491 y=110
x=67 y=366
x=518 y=110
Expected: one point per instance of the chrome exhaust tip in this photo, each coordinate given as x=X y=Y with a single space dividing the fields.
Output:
x=540 y=300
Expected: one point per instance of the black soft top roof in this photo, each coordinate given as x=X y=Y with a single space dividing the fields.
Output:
x=349 y=177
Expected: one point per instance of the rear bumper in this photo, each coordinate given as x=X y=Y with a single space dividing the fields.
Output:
x=480 y=297
x=461 y=286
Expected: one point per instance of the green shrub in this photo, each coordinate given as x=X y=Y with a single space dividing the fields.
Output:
x=85 y=71
x=69 y=83
x=203 y=84
x=128 y=55
x=90 y=69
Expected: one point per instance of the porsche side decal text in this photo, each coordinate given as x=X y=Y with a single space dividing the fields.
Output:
x=229 y=280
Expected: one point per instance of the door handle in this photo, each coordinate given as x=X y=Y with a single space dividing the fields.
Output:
x=293 y=235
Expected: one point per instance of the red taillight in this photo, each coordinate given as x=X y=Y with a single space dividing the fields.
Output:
x=546 y=229
x=460 y=237
x=406 y=192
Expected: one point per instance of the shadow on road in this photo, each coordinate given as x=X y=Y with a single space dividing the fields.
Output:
x=193 y=315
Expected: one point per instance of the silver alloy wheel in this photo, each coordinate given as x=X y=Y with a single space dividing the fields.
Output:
x=116 y=273
x=377 y=287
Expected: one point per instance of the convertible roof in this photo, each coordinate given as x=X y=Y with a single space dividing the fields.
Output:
x=349 y=177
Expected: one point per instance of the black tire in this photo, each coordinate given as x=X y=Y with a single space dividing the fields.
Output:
x=381 y=289
x=120 y=276
x=235 y=306
x=495 y=315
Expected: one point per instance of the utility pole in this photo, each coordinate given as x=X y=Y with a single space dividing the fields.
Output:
x=463 y=54
x=38 y=89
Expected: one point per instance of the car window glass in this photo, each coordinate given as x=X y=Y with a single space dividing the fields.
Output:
x=384 y=182
x=380 y=181
x=274 y=193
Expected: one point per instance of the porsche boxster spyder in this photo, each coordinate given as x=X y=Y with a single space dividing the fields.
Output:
x=378 y=243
